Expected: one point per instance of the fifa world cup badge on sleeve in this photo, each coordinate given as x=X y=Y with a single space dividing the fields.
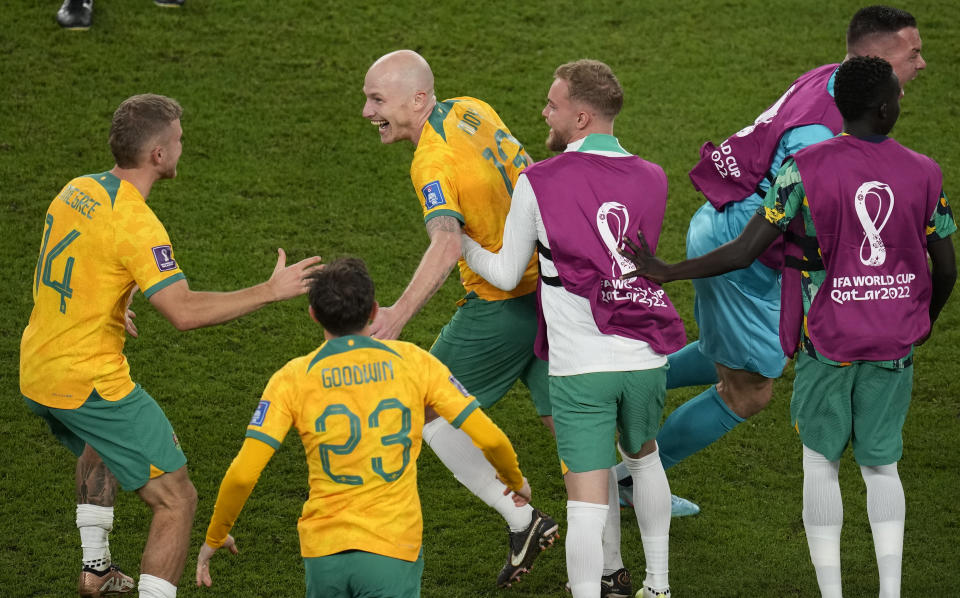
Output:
x=260 y=414
x=163 y=254
x=433 y=195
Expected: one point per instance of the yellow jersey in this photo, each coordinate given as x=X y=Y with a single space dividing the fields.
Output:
x=357 y=404
x=465 y=166
x=99 y=239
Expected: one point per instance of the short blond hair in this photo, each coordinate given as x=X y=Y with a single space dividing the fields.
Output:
x=593 y=83
x=136 y=122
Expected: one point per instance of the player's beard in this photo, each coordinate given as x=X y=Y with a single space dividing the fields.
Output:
x=555 y=141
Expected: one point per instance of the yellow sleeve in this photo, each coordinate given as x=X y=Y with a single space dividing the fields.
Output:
x=236 y=487
x=434 y=179
x=144 y=247
x=496 y=447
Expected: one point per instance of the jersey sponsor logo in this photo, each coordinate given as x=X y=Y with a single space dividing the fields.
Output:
x=260 y=414
x=459 y=386
x=433 y=195
x=163 y=255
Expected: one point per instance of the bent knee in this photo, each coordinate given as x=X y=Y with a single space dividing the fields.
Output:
x=746 y=393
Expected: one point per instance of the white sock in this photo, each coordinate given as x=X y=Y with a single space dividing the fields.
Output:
x=620 y=471
x=585 y=523
x=651 y=500
x=95 y=523
x=455 y=450
x=823 y=519
x=612 y=560
x=155 y=587
x=887 y=510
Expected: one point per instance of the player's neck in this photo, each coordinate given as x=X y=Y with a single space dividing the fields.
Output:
x=422 y=122
x=140 y=178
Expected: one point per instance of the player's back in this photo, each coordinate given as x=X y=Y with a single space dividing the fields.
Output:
x=91 y=255
x=358 y=406
x=465 y=165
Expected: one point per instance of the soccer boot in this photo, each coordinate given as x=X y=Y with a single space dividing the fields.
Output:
x=112 y=582
x=616 y=585
x=648 y=592
x=679 y=507
x=75 y=14
x=526 y=545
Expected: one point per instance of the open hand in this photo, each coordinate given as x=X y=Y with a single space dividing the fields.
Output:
x=646 y=264
x=287 y=282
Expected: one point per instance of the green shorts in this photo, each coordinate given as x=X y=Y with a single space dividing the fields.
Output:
x=588 y=410
x=132 y=435
x=359 y=574
x=862 y=403
x=488 y=345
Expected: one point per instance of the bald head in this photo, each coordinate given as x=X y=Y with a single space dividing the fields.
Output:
x=405 y=69
x=400 y=98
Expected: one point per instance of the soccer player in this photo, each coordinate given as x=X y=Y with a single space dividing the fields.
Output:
x=464 y=168
x=100 y=243
x=860 y=214
x=358 y=405
x=607 y=341
x=738 y=312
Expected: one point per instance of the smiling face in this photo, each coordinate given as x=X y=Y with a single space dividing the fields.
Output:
x=901 y=49
x=389 y=106
x=561 y=115
x=399 y=92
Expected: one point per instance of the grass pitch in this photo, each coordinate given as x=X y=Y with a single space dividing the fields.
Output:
x=276 y=154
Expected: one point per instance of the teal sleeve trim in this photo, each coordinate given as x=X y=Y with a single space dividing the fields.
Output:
x=273 y=442
x=436 y=213
x=473 y=406
x=164 y=284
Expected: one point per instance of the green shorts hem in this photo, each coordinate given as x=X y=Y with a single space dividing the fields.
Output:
x=589 y=410
x=132 y=435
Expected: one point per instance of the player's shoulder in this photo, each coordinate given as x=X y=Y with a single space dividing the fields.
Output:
x=105 y=187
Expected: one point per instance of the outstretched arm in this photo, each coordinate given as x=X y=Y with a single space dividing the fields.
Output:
x=187 y=309
x=235 y=488
x=435 y=265
x=757 y=235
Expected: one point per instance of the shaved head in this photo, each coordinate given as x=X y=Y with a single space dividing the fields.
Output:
x=404 y=68
x=400 y=98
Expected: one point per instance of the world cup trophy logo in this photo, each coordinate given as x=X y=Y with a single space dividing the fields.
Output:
x=879 y=194
x=612 y=221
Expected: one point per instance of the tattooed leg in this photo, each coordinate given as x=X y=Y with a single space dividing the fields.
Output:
x=95 y=484
x=96 y=493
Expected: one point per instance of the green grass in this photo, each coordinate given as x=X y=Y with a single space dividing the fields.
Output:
x=276 y=154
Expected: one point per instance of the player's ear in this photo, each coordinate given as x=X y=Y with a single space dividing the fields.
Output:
x=583 y=119
x=373 y=311
x=313 y=315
